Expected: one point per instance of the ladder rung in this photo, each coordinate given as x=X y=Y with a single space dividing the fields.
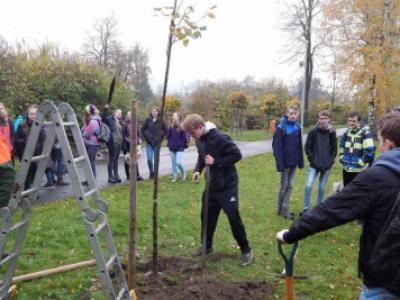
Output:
x=39 y=157
x=8 y=258
x=47 y=122
x=90 y=193
x=101 y=227
x=79 y=159
x=110 y=262
x=29 y=191
x=69 y=123
x=121 y=293
x=18 y=225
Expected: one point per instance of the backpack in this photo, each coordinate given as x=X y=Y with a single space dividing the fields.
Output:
x=384 y=262
x=104 y=133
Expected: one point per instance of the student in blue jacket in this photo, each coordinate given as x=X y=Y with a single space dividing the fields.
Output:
x=288 y=152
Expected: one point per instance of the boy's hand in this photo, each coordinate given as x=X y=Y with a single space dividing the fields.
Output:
x=209 y=160
x=279 y=235
x=196 y=176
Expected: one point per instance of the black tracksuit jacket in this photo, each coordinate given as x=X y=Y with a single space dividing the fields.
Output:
x=370 y=197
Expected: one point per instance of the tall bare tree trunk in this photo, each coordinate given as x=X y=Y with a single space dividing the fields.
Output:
x=158 y=147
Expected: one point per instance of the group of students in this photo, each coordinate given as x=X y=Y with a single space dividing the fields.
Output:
x=120 y=139
x=371 y=192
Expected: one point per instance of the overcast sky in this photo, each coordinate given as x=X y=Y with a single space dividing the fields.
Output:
x=244 y=39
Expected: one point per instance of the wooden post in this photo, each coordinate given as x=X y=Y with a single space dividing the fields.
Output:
x=132 y=201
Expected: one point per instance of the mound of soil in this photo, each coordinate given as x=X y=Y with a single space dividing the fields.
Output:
x=180 y=278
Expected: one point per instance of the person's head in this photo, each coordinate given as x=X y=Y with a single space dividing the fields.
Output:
x=3 y=111
x=128 y=115
x=155 y=112
x=353 y=119
x=194 y=124
x=118 y=114
x=91 y=110
x=31 y=112
x=389 y=131
x=323 y=118
x=292 y=113
x=176 y=118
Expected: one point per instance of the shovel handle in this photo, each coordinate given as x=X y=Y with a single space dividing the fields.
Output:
x=288 y=259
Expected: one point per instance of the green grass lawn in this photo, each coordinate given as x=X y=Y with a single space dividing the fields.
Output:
x=57 y=237
x=250 y=135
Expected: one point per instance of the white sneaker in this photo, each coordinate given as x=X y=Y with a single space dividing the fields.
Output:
x=184 y=176
x=173 y=180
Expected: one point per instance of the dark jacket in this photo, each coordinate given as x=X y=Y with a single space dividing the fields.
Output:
x=126 y=133
x=177 y=139
x=287 y=145
x=225 y=153
x=149 y=130
x=21 y=137
x=115 y=126
x=321 y=148
x=370 y=196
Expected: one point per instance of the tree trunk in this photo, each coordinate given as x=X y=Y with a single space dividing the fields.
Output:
x=158 y=147
x=371 y=102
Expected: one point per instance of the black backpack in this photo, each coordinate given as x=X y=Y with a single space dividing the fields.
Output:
x=384 y=262
x=104 y=133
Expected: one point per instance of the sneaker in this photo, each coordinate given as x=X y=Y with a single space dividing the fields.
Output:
x=112 y=180
x=184 y=175
x=60 y=181
x=48 y=186
x=288 y=215
x=173 y=180
x=246 y=258
x=197 y=252
x=117 y=179
x=139 y=178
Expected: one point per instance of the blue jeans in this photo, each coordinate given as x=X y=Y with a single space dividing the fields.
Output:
x=311 y=176
x=92 y=151
x=57 y=157
x=176 y=158
x=150 y=151
x=376 y=294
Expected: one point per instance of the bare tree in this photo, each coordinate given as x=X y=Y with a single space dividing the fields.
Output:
x=300 y=24
x=101 y=42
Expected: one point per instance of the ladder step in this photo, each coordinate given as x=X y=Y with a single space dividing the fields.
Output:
x=110 y=262
x=47 y=122
x=18 y=225
x=90 y=193
x=69 y=123
x=121 y=293
x=28 y=192
x=8 y=258
x=79 y=159
x=39 y=157
x=101 y=227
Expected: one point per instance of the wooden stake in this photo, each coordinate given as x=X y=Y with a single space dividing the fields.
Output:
x=132 y=201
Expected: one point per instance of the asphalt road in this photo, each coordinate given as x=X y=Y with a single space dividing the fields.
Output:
x=189 y=160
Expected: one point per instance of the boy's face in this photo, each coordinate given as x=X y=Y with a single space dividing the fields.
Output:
x=323 y=121
x=292 y=115
x=32 y=114
x=353 y=122
x=385 y=144
x=197 y=133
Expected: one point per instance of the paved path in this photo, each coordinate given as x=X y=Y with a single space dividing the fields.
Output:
x=189 y=160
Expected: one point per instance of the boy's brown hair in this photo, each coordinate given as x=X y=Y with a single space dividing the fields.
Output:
x=324 y=113
x=354 y=114
x=192 y=121
x=389 y=127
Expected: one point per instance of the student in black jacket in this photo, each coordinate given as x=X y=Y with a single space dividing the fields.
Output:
x=321 y=150
x=219 y=152
x=370 y=197
x=149 y=132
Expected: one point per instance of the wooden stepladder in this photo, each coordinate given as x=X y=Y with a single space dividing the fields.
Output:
x=58 y=122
